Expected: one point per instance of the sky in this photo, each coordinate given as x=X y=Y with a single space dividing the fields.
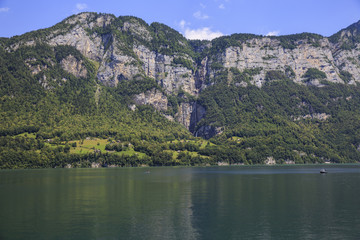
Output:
x=195 y=19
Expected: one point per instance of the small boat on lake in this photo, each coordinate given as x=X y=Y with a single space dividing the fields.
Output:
x=322 y=171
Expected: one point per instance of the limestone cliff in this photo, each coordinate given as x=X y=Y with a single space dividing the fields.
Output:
x=71 y=65
x=267 y=54
x=126 y=48
x=152 y=97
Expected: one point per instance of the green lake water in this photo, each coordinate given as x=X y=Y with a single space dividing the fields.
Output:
x=287 y=202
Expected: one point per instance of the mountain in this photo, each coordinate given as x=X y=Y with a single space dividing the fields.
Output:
x=148 y=90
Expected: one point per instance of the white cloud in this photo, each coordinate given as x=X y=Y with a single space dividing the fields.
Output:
x=222 y=6
x=200 y=15
x=5 y=9
x=81 y=6
x=202 y=34
x=202 y=5
x=273 y=33
x=182 y=24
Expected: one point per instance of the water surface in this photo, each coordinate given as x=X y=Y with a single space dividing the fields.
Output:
x=288 y=202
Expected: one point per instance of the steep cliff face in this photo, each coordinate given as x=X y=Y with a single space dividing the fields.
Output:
x=126 y=48
x=90 y=45
x=267 y=54
x=346 y=52
x=171 y=76
x=152 y=97
x=71 y=65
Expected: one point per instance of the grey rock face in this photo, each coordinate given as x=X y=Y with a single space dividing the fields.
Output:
x=71 y=65
x=34 y=68
x=91 y=46
x=197 y=114
x=349 y=60
x=160 y=67
x=268 y=54
x=116 y=66
x=184 y=114
x=207 y=132
x=152 y=97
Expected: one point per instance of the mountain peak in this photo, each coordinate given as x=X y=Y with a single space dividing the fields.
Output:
x=349 y=34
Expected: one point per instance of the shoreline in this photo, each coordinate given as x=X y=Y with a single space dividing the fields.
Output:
x=197 y=166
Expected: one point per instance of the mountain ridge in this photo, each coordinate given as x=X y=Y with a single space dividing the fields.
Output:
x=234 y=40
x=100 y=75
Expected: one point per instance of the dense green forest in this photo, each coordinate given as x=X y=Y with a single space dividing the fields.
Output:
x=68 y=110
x=57 y=119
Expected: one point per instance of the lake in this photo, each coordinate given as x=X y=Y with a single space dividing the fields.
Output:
x=278 y=202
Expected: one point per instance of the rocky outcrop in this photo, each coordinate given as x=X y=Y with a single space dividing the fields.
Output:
x=116 y=67
x=79 y=36
x=318 y=116
x=189 y=114
x=207 y=131
x=184 y=114
x=268 y=54
x=174 y=77
x=349 y=60
x=73 y=66
x=198 y=112
x=34 y=68
x=152 y=97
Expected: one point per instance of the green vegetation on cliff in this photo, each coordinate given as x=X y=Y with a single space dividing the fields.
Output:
x=54 y=116
x=287 y=121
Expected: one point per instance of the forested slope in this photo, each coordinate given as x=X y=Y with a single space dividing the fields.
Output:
x=96 y=90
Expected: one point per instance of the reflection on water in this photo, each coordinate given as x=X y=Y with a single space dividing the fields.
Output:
x=180 y=203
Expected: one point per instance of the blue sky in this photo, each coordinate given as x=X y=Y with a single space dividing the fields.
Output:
x=204 y=19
